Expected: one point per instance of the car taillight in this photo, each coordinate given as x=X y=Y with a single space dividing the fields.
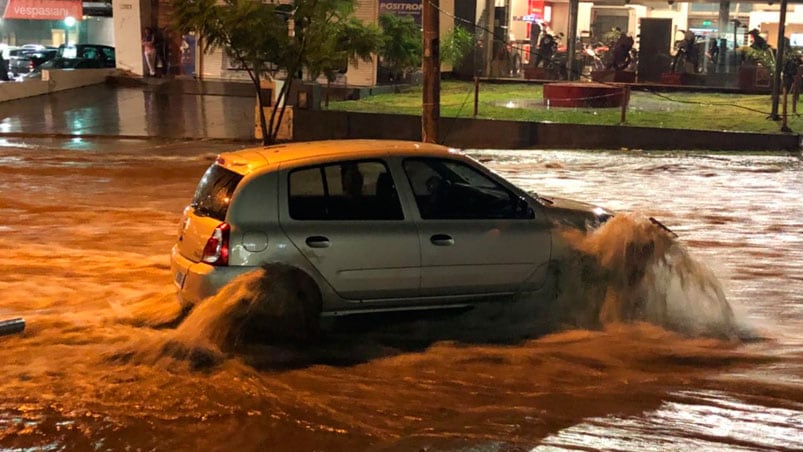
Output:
x=216 y=251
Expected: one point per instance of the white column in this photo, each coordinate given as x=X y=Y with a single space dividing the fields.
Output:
x=128 y=25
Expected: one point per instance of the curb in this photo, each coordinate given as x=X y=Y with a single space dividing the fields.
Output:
x=94 y=136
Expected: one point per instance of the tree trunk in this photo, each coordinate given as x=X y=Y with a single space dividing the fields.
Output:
x=281 y=104
x=262 y=122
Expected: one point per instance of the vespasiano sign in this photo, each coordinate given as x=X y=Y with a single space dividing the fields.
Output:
x=43 y=9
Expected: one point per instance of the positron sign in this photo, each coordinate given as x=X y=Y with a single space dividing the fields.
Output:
x=410 y=8
x=43 y=9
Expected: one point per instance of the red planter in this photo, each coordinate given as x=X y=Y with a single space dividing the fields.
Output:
x=595 y=95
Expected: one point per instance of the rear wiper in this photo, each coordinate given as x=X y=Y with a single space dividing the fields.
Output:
x=541 y=198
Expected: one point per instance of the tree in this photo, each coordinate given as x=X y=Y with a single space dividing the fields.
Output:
x=268 y=40
x=457 y=44
x=332 y=48
x=402 y=44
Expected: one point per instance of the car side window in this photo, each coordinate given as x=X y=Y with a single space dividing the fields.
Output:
x=349 y=190
x=450 y=189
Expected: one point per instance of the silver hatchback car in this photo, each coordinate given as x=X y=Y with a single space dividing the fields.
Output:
x=375 y=225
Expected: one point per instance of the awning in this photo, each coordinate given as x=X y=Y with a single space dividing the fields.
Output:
x=43 y=9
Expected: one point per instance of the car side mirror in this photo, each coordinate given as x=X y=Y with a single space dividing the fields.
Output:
x=522 y=208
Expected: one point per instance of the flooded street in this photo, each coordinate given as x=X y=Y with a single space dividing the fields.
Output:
x=103 y=365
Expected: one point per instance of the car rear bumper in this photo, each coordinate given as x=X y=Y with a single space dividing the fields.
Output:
x=196 y=280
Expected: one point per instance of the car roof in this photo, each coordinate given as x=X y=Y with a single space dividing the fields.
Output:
x=32 y=53
x=86 y=45
x=269 y=157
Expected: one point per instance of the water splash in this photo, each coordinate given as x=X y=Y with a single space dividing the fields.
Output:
x=275 y=304
x=629 y=270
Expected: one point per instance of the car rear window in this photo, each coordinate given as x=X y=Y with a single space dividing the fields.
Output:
x=349 y=190
x=213 y=195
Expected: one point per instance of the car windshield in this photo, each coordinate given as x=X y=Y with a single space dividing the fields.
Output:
x=214 y=192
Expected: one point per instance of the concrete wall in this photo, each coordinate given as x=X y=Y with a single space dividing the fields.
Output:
x=311 y=125
x=53 y=80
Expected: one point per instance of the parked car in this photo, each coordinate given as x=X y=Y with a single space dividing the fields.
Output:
x=6 y=52
x=29 y=60
x=78 y=56
x=95 y=55
x=11 y=51
x=372 y=225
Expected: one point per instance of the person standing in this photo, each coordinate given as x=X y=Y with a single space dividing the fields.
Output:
x=546 y=48
x=621 y=52
x=535 y=33
x=160 y=43
x=789 y=70
x=689 y=48
x=759 y=43
x=149 y=50
x=3 y=68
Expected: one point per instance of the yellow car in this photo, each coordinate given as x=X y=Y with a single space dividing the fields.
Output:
x=372 y=225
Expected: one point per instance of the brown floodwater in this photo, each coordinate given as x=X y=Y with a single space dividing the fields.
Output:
x=705 y=352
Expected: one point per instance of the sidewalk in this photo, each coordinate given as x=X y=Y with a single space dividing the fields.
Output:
x=129 y=112
x=155 y=108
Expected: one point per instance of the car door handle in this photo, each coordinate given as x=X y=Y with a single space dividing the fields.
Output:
x=441 y=240
x=318 y=241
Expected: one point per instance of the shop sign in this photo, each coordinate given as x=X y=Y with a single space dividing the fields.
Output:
x=528 y=18
x=535 y=12
x=536 y=9
x=43 y=9
x=410 y=8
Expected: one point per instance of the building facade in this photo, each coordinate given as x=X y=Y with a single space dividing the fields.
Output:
x=508 y=25
x=43 y=22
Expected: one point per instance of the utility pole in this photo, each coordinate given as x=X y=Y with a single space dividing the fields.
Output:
x=431 y=69
x=571 y=38
x=776 y=79
x=489 y=35
x=722 y=37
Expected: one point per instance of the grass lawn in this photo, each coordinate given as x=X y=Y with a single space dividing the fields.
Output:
x=524 y=102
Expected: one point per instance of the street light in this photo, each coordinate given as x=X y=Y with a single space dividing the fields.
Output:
x=69 y=21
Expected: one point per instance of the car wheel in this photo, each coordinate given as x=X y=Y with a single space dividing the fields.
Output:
x=288 y=309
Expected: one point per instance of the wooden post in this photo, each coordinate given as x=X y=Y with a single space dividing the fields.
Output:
x=784 y=124
x=625 y=102
x=796 y=89
x=476 y=96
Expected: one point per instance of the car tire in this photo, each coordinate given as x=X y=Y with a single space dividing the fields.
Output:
x=288 y=310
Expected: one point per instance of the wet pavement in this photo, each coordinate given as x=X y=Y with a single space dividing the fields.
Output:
x=129 y=112
x=174 y=109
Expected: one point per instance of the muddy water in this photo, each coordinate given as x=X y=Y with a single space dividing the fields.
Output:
x=86 y=230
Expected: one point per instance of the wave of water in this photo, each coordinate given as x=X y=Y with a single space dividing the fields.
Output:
x=630 y=269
